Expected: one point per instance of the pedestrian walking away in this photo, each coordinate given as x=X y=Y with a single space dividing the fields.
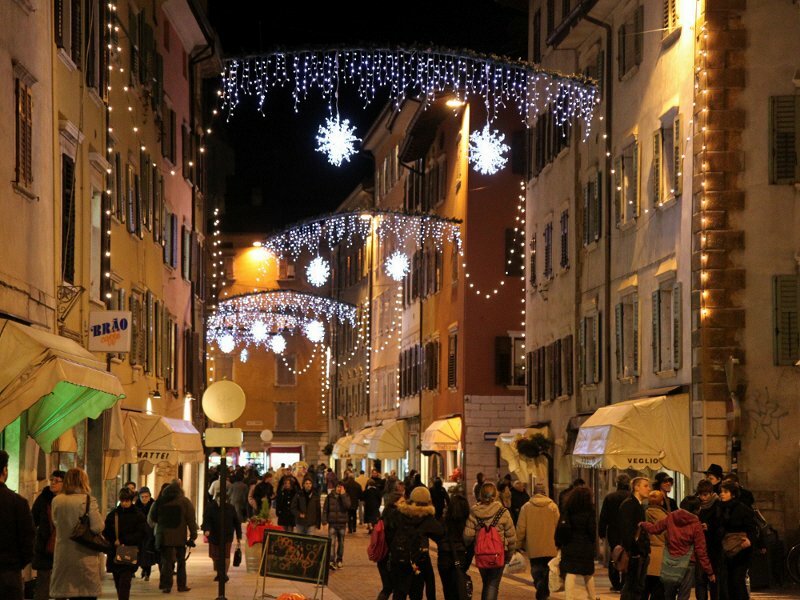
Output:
x=536 y=534
x=653 y=588
x=17 y=533
x=452 y=551
x=633 y=540
x=45 y=534
x=172 y=517
x=608 y=526
x=439 y=497
x=576 y=537
x=125 y=525
x=372 y=504
x=355 y=493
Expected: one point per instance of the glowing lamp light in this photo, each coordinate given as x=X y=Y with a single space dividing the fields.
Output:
x=315 y=331
x=244 y=355
x=487 y=151
x=259 y=331
x=336 y=140
x=227 y=344
x=277 y=344
x=397 y=265
x=317 y=271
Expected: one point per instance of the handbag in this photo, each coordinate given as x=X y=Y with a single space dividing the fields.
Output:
x=732 y=543
x=123 y=554
x=237 y=555
x=82 y=533
x=673 y=568
x=620 y=558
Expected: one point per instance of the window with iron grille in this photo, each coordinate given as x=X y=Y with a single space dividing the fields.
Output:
x=548 y=251
x=564 y=222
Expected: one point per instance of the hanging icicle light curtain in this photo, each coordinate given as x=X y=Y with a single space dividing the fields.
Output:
x=325 y=233
x=408 y=72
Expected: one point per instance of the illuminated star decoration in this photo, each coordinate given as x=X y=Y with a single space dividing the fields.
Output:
x=278 y=344
x=336 y=140
x=259 y=331
x=227 y=344
x=317 y=271
x=397 y=265
x=315 y=331
x=244 y=355
x=487 y=150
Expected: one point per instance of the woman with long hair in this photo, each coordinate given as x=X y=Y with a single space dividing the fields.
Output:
x=452 y=562
x=576 y=537
x=77 y=570
x=738 y=531
x=487 y=513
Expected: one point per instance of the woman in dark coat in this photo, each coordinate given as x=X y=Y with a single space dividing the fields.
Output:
x=372 y=504
x=576 y=537
x=283 y=502
x=129 y=522
x=147 y=554
x=212 y=519
x=735 y=519
x=452 y=550
x=439 y=497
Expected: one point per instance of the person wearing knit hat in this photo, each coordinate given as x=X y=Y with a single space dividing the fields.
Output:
x=408 y=530
x=714 y=474
x=147 y=556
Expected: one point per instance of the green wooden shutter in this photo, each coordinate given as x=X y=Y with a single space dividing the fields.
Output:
x=619 y=196
x=784 y=115
x=676 y=326
x=786 y=306
x=582 y=352
x=635 y=177
x=635 y=310
x=658 y=137
x=677 y=156
x=620 y=335
x=656 y=323
x=502 y=360
x=638 y=34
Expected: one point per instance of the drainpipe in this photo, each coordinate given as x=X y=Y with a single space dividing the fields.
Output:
x=608 y=90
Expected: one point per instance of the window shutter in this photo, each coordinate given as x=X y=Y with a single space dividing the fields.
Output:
x=619 y=207
x=618 y=310
x=157 y=335
x=784 y=129
x=565 y=239
x=586 y=238
x=677 y=156
x=666 y=16
x=621 y=51
x=535 y=376
x=638 y=34
x=135 y=333
x=158 y=84
x=582 y=352
x=174 y=240
x=658 y=137
x=58 y=22
x=149 y=333
x=597 y=226
x=550 y=369
x=542 y=373
x=787 y=304
x=76 y=44
x=635 y=178
x=676 y=326
x=598 y=348
x=502 y=360
x=139 y=208
x=656 y=323
x=529 y=378
x=635 y=310
x=601 y=72
x=532 y=266
x=68 y=223
x=558 y=389
x=567 y=361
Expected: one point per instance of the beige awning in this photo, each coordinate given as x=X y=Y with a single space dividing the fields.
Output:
x=155 y=439
x=650 y=433
x=389 y=440
x=359 y=445
x=523 y=466
x=113 y=442
x=442 y=435
x=55 y=379
x=341 y=448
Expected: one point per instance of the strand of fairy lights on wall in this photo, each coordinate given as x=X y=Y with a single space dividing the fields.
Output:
x=701 y=94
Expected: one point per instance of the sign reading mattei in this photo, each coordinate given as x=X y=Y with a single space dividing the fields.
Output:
x=110 y=331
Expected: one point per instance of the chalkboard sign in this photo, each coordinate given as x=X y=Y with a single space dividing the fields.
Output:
x=295 y=556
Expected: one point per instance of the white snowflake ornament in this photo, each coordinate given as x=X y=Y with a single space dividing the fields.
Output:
x=336 y=140
x=487 y=151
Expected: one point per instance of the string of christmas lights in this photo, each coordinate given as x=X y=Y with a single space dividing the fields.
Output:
x=408 y=72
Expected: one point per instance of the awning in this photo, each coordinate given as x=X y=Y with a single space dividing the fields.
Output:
x=341 y=448
x=441 y=435
x=56 y=380
x=113 y=442
x=155 y=439
x=650 y=433
x=523 y=466
x=389 y=440
x=359 y=446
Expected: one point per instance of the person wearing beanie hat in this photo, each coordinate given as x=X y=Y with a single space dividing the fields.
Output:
x=714 y=473
x=147 y=556
x=608 y=527
x=408 y=529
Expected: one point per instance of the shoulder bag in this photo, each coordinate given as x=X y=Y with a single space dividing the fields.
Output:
x=732 y=543
x=123 y=554
x=82 y=533
x=673 y=568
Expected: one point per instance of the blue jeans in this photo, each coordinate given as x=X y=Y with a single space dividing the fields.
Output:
x=491 y=583
x=305 y=529
x=680 y=589
x=336 y=534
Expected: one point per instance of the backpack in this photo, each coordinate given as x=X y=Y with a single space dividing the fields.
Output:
x=490 y=552
x=406 y=547
x=377 y=549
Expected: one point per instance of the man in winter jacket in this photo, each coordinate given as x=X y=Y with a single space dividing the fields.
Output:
x=16 y=533
x=608 y=525
x=684 y=530
x=536 y=532
x=306 y=508
x=355 y=492
x=334 y=513
x=635 y=541
x=45 y=535
x=173 y=518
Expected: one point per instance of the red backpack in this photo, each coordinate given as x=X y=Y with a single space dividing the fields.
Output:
x=490 y=553
x=377 y=549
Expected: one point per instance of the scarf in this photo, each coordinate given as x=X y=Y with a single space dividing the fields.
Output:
x=709 y=503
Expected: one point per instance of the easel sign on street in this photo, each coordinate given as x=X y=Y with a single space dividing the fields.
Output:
x=296 y=557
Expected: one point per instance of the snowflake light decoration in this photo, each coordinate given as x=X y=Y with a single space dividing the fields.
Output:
x=397 y=265
x=315 y=331
x=227 y=344
x=336 y=140
x=259 y=331
x=317 y=271
x=277 y=343
x=244 y=355
x=487 y=151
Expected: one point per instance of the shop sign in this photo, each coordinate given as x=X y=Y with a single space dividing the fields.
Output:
x=110 y=331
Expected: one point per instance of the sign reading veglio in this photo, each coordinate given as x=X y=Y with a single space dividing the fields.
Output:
x=110 y=331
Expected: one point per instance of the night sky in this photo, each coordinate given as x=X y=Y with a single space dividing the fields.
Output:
x=279 y=177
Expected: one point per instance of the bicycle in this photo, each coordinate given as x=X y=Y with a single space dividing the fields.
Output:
x=793 y=563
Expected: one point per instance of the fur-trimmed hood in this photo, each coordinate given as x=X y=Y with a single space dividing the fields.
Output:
x=415 y=511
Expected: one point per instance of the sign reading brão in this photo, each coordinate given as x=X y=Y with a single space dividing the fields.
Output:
x=110 y=331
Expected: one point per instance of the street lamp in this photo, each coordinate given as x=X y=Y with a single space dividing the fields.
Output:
x=223 y=402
